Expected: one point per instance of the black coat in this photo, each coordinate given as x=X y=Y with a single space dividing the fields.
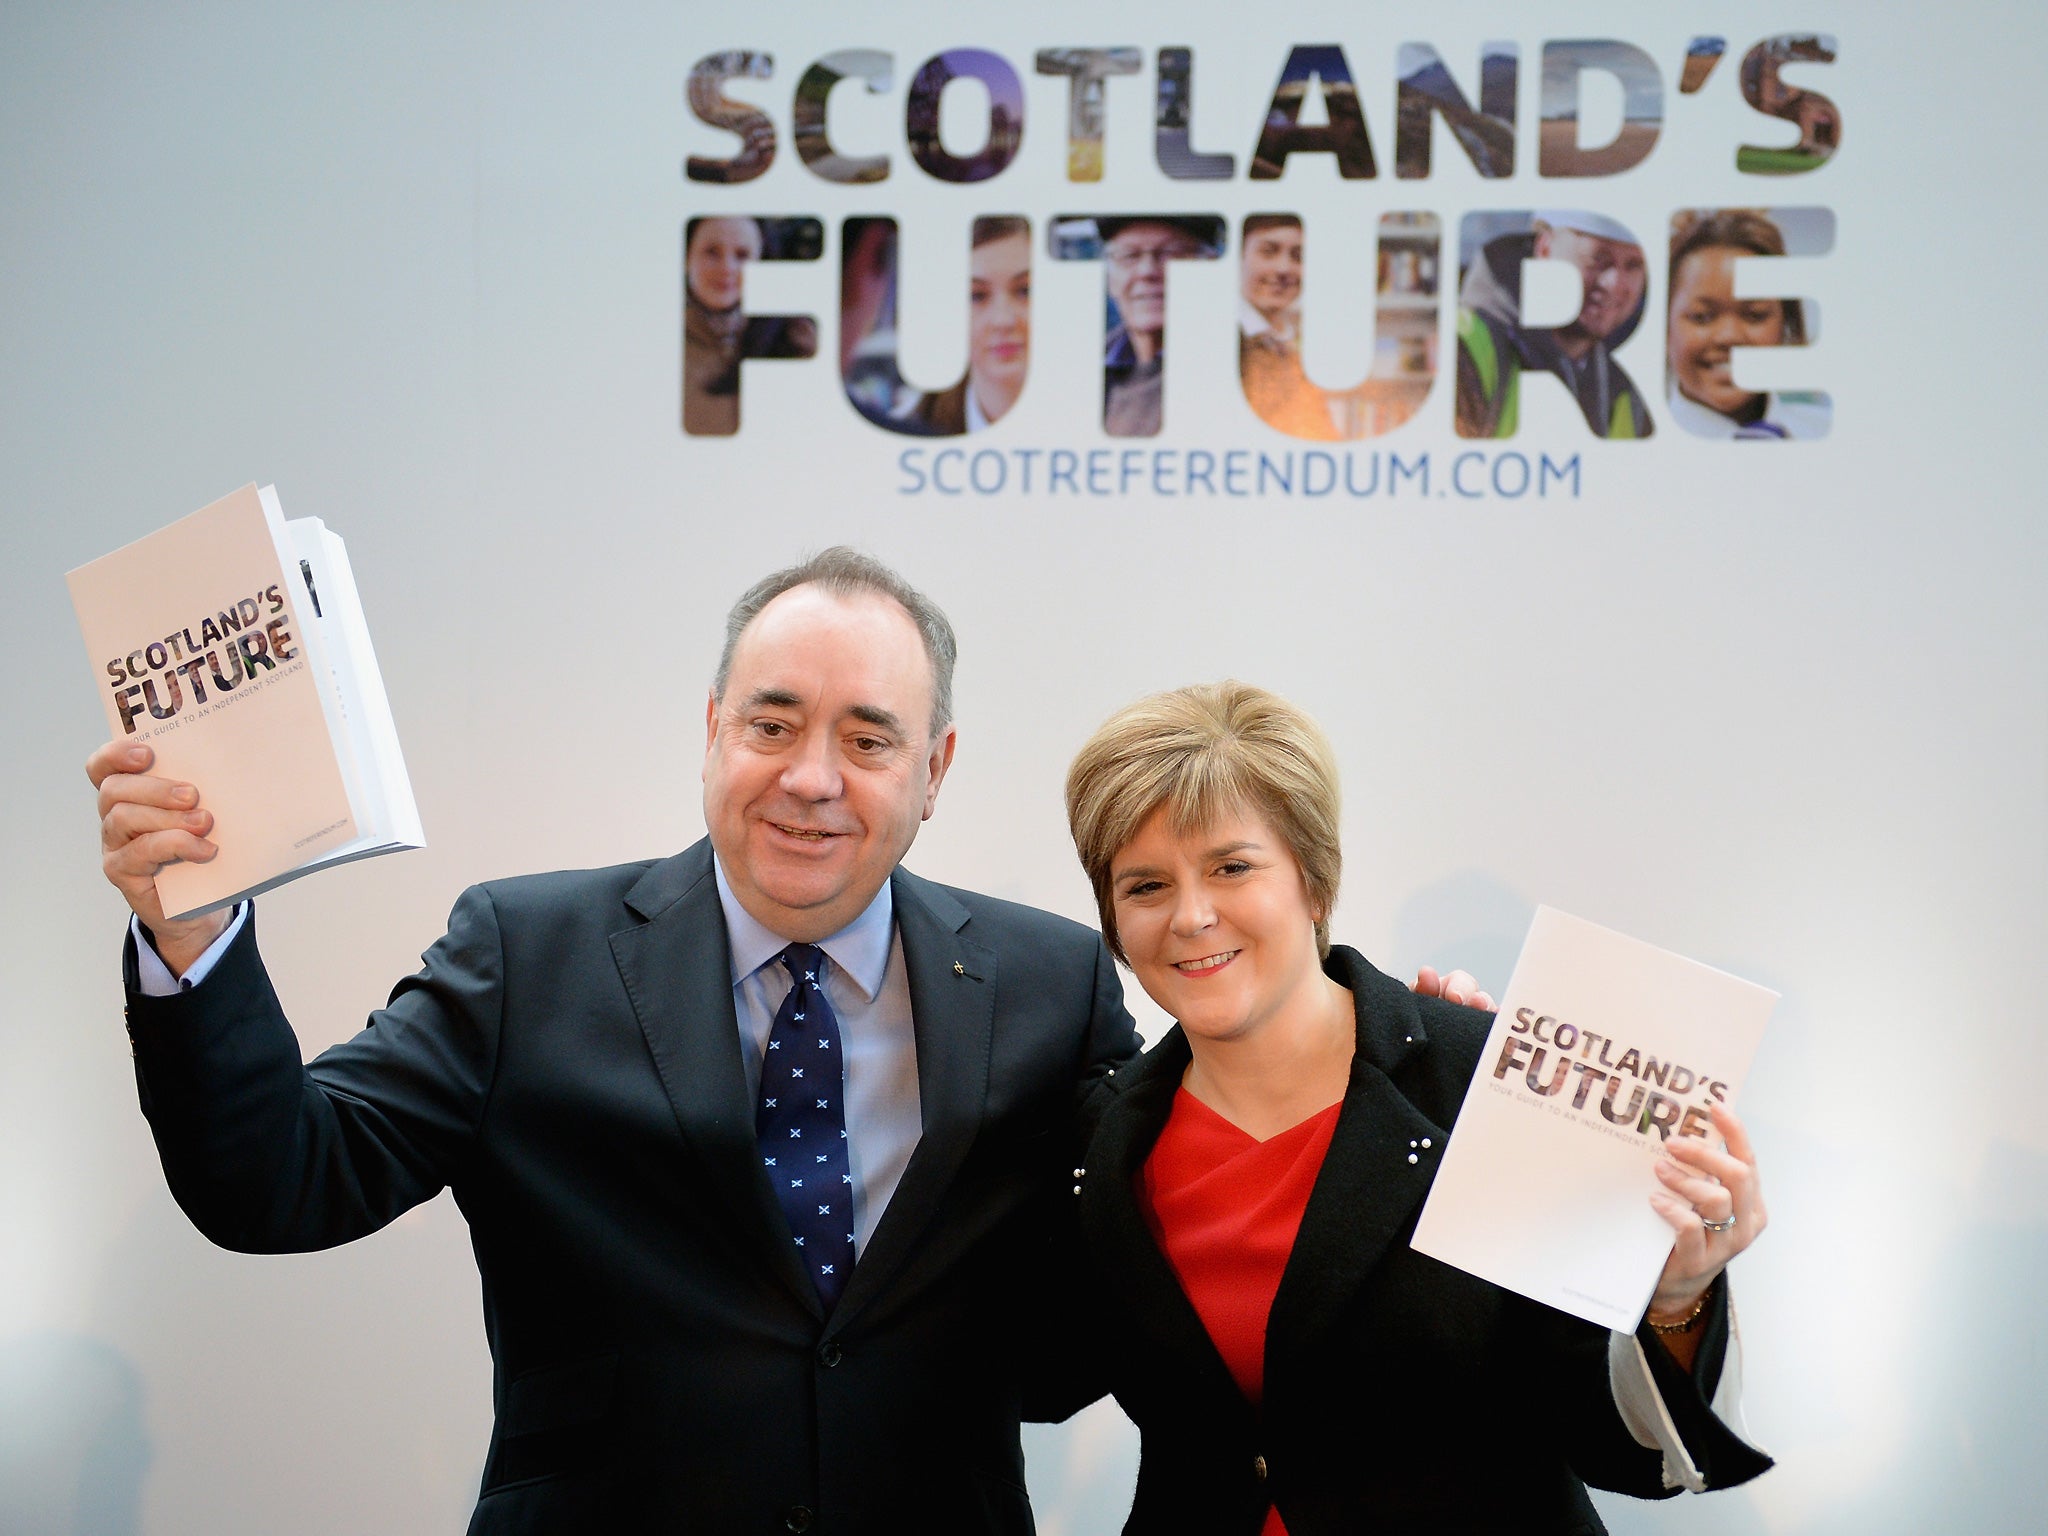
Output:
x=1401 y=1395
x=568 y=1062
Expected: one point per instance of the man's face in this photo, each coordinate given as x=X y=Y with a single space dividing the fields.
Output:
x=1271 y=270
x=819 y=761
x=1612 y=271
x=1137 y=258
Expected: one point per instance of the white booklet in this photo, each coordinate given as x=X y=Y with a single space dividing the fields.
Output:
x=233 y=643
x=1603 y=1047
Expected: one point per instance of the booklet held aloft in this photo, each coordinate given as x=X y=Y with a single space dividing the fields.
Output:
x=232 y=643
x=1603 y=1048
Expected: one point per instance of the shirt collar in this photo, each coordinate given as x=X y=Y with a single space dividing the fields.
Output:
x=860 y=949
x=1254 y=323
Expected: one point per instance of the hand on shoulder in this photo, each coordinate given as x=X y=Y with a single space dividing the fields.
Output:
x=1453 y=987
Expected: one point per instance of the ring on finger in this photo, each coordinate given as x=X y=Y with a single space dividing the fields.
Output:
x=1719 y=1226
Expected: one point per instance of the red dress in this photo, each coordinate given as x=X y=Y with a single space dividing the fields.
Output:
x=1224 y=1208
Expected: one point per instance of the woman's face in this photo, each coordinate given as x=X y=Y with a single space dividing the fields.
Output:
x=1217 y=925
x=716 y=263
x=999 y=310
x=1270 y=276
x=1708 y=321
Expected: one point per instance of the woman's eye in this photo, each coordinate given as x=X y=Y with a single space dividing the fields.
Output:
x=1233 y=867
x=1141 y=888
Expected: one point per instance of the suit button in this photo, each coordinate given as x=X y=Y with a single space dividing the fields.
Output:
x=798 y=1518
x=830 y=1356
x=1259 y=1468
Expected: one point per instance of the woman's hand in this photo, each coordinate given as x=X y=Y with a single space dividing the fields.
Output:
x=1713 y=1201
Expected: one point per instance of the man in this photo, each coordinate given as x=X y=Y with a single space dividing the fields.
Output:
x=1495 y=348
x=678 y=1343
x=604 y=1066
x=1269 y=331
x=1138 y=252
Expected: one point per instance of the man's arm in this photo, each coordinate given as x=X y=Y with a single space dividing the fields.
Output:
x=268 y=1155
x=1112 y=1036
x=261 y=1151
x=1065 y=1363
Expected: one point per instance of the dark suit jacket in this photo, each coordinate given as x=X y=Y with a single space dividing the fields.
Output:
x=1400 y=1394
x=567 y=1061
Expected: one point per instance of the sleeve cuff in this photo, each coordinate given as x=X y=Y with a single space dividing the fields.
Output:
x=1705 y=1442
x=154 y=978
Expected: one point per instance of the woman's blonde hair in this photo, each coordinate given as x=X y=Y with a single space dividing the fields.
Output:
x=1204 y=752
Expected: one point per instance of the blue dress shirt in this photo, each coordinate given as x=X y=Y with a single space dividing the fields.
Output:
x=870 y=993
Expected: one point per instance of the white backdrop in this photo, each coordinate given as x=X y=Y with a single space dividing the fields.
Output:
x=1778 y=706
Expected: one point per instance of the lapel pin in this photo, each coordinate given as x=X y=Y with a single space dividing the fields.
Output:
x=959 y=969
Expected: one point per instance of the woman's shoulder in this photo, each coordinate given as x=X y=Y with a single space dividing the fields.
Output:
x=1429 y=1047
x=1138 y=1095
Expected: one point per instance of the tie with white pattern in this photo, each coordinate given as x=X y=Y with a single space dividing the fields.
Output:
x=801 y=1124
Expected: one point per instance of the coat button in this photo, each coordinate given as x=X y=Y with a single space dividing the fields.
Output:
x=830 y=1356
x=798 y=1519
x=1259 y=1468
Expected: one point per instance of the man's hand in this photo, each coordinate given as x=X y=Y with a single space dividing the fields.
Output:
x=1457 y=987
x=146 y=823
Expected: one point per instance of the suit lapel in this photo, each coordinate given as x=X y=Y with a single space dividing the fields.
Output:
x=677 y=968
x=952 y=1013
x=1382 y=1157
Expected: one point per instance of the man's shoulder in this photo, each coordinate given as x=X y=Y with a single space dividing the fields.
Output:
x=561 y=892
x=993 y=917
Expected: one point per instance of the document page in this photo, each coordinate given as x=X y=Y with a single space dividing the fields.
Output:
x=1603 y=1047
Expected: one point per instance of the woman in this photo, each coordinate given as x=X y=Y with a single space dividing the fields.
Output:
x=1250 y=1187
x=998 y=334
x=717 y=332
x=1707 y=322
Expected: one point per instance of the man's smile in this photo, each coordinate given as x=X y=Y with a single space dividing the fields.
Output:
x=804 y=834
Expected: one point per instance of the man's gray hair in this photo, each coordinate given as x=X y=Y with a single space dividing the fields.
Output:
x=846 y=572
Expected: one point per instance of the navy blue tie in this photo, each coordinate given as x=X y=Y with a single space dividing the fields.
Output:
x=802 y=1124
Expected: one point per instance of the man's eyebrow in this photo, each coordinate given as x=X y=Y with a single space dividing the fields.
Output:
x=771 y=698
x=878 y=717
